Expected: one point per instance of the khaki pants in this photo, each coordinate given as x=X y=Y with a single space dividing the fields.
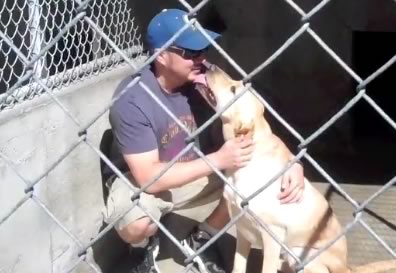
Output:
x=120 y=208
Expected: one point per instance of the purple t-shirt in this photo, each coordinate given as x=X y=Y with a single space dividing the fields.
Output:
x=140 y=125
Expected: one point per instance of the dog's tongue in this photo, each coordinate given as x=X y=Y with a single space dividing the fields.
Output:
x=201 y=79
x=201 y=85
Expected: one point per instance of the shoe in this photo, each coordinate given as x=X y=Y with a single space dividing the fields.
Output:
x=143 y=258
x=208 y=261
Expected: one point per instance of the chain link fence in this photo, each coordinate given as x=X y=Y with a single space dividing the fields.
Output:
x=51 y=48
x=47 y=64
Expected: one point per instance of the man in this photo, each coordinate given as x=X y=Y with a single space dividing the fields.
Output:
x=147 y=138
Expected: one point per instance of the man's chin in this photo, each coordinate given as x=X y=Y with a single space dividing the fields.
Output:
x=193 y=77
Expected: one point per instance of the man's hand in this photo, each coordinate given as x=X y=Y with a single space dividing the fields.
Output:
x=235 y=153
x=292 y=185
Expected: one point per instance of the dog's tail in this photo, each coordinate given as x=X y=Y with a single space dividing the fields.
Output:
x=376 y=267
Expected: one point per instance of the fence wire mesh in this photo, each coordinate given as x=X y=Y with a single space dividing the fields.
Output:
x=80 y=52
x=105 y=29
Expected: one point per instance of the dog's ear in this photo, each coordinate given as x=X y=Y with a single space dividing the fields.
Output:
x=260 y=107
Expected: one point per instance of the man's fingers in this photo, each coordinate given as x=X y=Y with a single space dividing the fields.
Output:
x=286 y=187
x=247 y=150
x=284 y=193
x=289 y=198
x=296 y=198
x=245 y=142
x=299 y=196
x=244 y=160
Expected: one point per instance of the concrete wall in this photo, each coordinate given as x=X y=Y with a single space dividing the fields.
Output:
x=34 y=135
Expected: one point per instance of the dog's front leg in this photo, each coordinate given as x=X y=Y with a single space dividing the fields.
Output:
x=241 y=253
x=271 y=257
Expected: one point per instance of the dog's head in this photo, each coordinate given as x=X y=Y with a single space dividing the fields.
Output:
x=220 y=89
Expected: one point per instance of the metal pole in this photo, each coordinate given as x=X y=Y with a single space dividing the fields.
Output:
x=36 y=38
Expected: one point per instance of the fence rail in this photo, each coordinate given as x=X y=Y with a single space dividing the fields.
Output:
x=86 y=17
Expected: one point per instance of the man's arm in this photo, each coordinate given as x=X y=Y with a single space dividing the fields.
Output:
x=146 y=166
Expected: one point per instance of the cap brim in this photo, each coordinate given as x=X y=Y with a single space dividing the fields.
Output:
x=195 y=40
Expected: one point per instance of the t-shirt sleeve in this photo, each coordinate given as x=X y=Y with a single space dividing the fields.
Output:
x=133 y=132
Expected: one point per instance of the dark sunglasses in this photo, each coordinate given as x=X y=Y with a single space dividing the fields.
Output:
x=187 y=53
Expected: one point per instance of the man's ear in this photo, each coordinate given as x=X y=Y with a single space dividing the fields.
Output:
x=162 y=58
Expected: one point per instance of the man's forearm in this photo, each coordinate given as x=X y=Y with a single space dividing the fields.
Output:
x=179 y=174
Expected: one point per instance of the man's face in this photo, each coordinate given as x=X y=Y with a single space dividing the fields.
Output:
x=184 y=64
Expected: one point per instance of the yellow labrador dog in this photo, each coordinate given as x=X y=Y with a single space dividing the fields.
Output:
x=303 y=227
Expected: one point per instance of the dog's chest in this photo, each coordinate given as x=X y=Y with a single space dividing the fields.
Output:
x=252 y=178
x=265 y=204
x=247 y=182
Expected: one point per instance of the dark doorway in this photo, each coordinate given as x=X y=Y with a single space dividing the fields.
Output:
x=370 y=51
x=374 y=139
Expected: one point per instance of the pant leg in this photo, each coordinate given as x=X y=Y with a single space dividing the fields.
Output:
x=120 y=208
x=198 y=193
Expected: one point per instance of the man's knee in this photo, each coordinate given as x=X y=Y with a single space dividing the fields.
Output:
x=151 y=229
x=137 y=230
x=135 y=221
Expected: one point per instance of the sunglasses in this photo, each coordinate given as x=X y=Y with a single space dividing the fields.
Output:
x=187 y=53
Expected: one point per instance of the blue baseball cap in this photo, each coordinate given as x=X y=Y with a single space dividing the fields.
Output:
x=166 y=23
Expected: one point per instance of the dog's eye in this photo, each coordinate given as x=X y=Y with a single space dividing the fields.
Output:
x=233 y=89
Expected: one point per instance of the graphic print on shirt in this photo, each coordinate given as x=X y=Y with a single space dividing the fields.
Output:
x=172 y=142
